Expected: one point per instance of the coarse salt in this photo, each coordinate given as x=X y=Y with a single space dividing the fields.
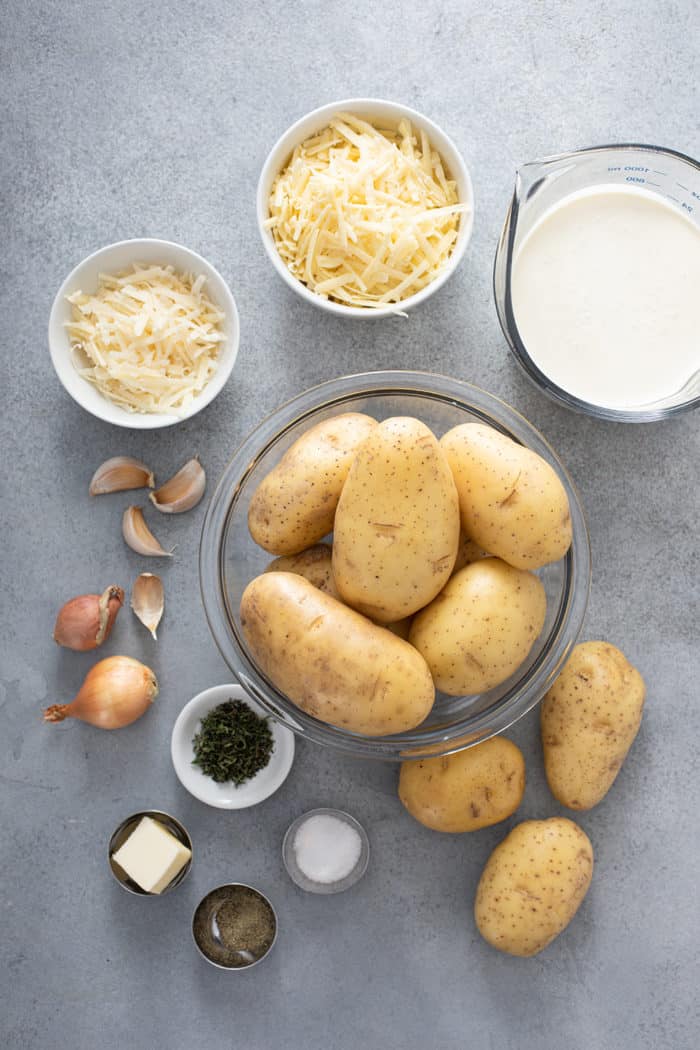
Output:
x=326 y=848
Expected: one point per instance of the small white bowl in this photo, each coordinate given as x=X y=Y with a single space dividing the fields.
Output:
x=112 y=259
x=228 y=796
x=390 y=113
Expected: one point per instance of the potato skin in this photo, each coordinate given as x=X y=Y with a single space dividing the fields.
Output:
x=294 y=505
x=588 y=721
x=397 y=523
x=533 y=885
x=467 y=552
x=401 y=628
x=480 y=627
x=512 y=503
x=315 y=564
x=466 y=791
x=331 y=661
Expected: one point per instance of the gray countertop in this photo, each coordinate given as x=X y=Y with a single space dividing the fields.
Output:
x=138 y=119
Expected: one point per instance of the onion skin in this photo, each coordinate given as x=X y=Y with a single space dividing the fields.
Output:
x=115 y=693
x=86 y=621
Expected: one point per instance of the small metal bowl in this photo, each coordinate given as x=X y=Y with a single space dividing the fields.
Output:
x=207 y=904
x=298 y=876
x=121 y=835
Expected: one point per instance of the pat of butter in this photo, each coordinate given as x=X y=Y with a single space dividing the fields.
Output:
x=152 y=856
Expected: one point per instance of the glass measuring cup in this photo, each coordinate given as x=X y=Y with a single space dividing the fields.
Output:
x=539 y=186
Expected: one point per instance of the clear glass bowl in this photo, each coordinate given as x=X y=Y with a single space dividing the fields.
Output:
x=297 y=875
x=539 y=186
x=229 y=559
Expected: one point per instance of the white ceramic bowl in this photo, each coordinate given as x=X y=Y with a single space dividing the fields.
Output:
x=117 y=257
x=228 y=796
x=390 y=113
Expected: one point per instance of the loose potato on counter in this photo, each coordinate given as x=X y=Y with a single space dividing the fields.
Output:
x=315 y=564
x=294 y=505
x=511 y=501
x=397 y=523
x=533 y=885
x=467 y=552
x=589 y=719
x=331 y=661
x=481 y=626
x=466 y=791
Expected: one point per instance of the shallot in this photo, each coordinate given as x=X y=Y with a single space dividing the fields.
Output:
x=85 y=622
x=116 y=692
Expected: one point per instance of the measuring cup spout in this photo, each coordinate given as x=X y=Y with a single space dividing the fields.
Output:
x=529 y=175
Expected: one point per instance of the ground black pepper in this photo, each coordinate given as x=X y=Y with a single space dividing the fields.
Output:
x=234 y=926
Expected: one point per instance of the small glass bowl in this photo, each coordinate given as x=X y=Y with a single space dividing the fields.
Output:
x=121 y=835
x=298 y=876
x=205 y=903
x=229 y=559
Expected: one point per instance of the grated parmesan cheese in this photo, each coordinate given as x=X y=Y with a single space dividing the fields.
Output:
x=363 y=216
x=148 y=338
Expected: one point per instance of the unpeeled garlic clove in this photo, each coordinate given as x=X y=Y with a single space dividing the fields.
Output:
x=148 y=600
x=139 y=537
x=183 y=491
x=120 y=473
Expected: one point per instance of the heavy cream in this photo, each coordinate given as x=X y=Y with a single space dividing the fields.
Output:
x=606 y=296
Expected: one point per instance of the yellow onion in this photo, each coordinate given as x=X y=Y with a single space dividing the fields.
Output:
x=116 y=692
x=84 y=622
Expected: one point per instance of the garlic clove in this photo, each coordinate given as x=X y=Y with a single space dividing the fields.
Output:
x=148 y=600
x=119 y=473
x=183 y=491
x=139 y=537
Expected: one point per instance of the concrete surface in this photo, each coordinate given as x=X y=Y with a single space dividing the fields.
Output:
x=153 y=119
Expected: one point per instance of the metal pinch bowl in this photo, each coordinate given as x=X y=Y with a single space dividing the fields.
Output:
x=122 y=833
x=247 y=957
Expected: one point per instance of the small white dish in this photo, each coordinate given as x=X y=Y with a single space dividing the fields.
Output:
x=390 y=113
x=112 y=259
x=228 y=796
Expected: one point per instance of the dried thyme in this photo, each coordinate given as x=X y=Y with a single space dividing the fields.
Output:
x=233 y=743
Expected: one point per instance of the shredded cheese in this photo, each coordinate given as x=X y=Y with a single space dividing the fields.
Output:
x=363 y=216
x=148 y=338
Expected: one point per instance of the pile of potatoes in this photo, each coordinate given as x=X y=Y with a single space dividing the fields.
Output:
x=535 y=880
x=429 y=582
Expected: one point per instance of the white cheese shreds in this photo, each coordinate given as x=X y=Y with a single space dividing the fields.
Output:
x=363 y=216
x=147 y=338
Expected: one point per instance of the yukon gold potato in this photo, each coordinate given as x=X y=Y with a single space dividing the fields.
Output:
x=330 y=660
x=533 y=885
x=401 y=628
x=466 y=791
x=512 y=503
x=397 y=524
x=294 y=505
x=467 y=552
x=481 y=626
x=315 y=564
x=589 y=719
